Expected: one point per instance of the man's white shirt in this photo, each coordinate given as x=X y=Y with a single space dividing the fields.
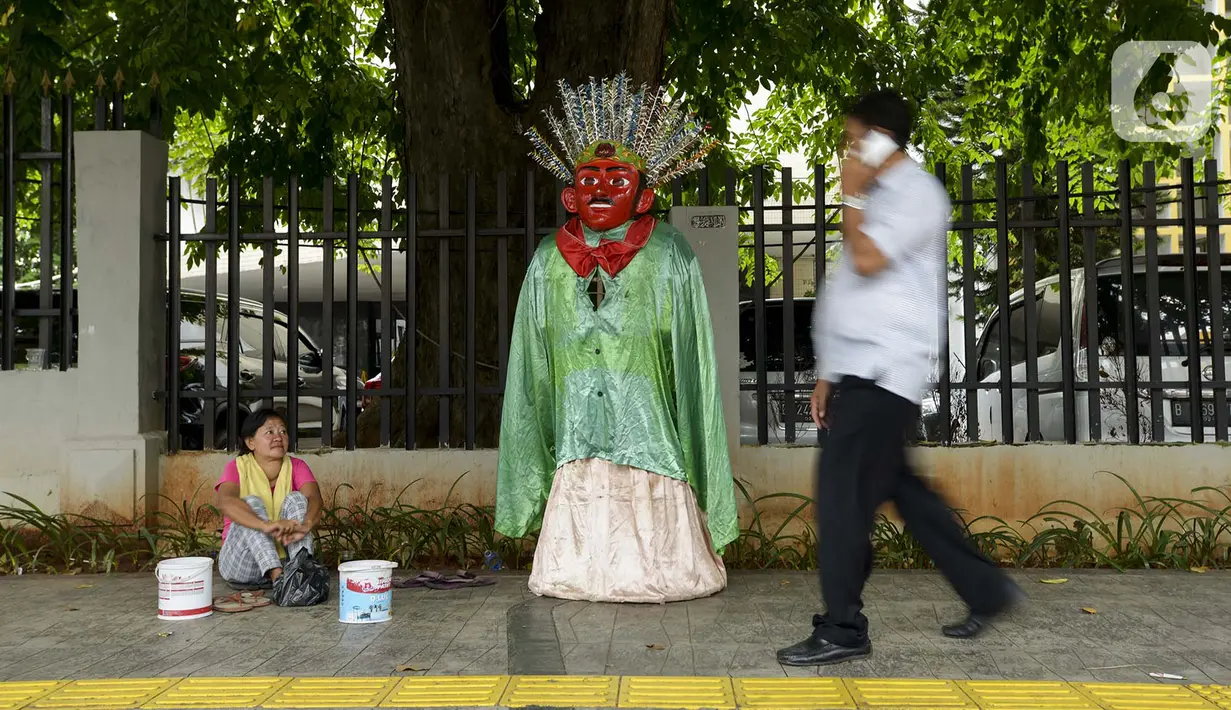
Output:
x=889 y=327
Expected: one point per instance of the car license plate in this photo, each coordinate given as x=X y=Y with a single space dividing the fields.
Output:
x=803 y=410
x=1181 y=412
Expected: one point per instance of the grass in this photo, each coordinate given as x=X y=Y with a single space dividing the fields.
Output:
x=1153 y=532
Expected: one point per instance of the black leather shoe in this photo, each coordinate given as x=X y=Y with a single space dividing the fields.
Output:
x=818 y=652
x=974 y=624
x=968 y=628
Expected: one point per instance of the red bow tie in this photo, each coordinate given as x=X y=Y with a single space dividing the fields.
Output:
x=610 y=254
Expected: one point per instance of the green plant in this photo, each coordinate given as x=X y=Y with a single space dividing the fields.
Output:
x=754 y=549
x=1154 y=532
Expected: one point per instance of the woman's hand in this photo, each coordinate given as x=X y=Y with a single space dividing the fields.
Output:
x=301 y=531
x=280 y=529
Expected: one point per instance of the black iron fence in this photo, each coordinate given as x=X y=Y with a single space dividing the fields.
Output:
x=1089 y=302
x=1075 y=324
x=37 y=252
x=453 y=288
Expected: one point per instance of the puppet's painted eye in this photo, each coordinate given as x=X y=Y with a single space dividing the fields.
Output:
x=589 y=181
x=619 y=182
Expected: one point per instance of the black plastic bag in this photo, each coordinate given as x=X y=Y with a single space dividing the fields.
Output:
x=304 y=582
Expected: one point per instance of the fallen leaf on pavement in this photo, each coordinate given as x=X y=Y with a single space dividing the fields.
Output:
x=1199 y=570
x=655 y=646
x=85 y=586
x=785 y=582
x=1058 y=580
x=164 y=634
x=407 y=667
x=70 y=608
x=1089 y=610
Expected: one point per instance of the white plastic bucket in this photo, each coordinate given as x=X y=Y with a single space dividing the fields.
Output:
x=185 y=588
x=365 y=591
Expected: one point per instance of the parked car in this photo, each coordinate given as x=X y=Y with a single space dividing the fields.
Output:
x=311 y=371
x=1175 y=345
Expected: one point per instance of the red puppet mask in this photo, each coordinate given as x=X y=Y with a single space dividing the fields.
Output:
x=614 y=142
x=607 y=193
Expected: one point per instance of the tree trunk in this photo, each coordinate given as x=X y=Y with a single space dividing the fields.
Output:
x=461 y=114
x=579 y=40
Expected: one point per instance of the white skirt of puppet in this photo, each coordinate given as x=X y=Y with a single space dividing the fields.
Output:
x=614 y=533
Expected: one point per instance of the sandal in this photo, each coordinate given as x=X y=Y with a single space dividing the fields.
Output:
x=231 y=605
x=462 y=580
x=418 y=582
x=254 y=599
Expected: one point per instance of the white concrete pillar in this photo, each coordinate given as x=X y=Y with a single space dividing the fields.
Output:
x=713 y=233
x=121 y=205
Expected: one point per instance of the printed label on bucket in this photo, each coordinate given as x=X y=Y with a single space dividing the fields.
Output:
x=358 y=608
x=369 y=586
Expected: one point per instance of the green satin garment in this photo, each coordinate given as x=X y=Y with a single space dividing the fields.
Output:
x=633 y=382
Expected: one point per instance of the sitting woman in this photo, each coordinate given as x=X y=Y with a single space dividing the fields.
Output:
x=269 y=501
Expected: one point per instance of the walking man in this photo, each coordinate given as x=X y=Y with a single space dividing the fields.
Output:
x=876 y=333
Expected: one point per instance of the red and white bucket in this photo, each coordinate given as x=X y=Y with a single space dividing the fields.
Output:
x=185 y=588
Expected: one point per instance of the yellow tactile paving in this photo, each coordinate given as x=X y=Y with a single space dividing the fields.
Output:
x=676 y=692
x=792 y=693
x=593 y=691
x=680 y=693
x=1026 y=695
x=242 y=692
x=908 y=694
x=15 y=695
x=1143 y=696
x=331 y=693
x=103 y=694
x=1219 y=695
x=447 y=691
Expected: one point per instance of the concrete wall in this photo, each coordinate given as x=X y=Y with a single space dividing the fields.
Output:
x=36 y=415
x=1009 y=482
x=713 y=233
x=89 y=440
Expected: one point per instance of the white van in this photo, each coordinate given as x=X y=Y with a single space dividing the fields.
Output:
x=1174 y=345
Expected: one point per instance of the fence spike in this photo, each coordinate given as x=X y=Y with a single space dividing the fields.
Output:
x=47 y=83
x=9 y=80
x=119 y=79
x=69 y=82
x=100 y=82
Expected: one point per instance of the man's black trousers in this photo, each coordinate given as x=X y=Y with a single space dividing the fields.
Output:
x=862 y=465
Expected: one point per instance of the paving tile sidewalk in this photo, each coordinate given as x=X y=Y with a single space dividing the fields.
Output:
x=105 y=627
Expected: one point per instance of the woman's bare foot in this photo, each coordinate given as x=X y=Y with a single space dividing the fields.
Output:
x=275 y=573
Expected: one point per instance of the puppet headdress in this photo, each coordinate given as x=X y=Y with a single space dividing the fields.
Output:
x=613 y=119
